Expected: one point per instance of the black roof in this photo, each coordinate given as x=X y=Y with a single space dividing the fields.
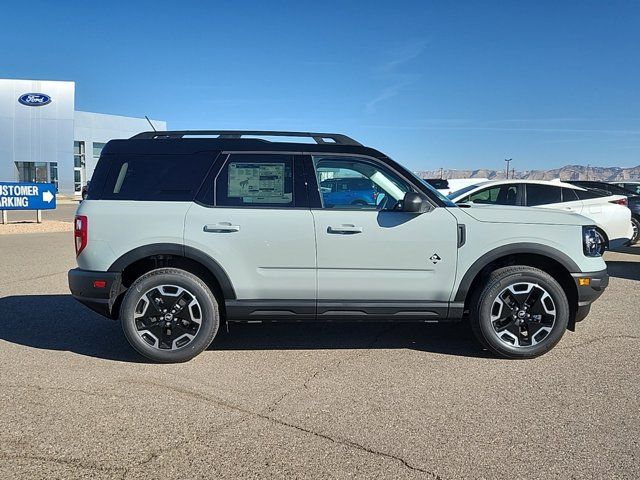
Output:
x=192 y=141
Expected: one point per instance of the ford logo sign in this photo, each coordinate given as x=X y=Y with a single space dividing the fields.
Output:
x=34 y=99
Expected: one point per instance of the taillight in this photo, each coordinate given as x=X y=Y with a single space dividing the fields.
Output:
x=623 y=201
x=80 y=231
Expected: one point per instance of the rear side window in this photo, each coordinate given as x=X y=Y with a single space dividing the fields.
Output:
x=588 y=194
x=542 y=194
x=174 y=178
x=256 y=180
x=569 y=195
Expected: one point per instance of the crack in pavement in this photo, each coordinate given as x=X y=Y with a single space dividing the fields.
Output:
x=37 y=388
x=150 y=457
x=266 y=415
x=333 y=366
x=154 y=455
x=599 y=339
x=12 y=282
x=278 y=421
x=61 y=461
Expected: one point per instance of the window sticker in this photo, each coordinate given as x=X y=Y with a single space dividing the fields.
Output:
x=258 y=182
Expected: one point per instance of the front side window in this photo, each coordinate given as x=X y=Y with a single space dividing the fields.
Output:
x=359 y=184
x=539 y=194
x=497 y=195
x=256 y=180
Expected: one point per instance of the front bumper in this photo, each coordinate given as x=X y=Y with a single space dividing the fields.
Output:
x=86 y=287
x=590 y=286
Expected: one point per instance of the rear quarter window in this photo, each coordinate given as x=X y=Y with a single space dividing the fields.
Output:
x=151 y=177
x=588 y=194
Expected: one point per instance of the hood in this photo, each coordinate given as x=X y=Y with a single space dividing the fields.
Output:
x=524 y=215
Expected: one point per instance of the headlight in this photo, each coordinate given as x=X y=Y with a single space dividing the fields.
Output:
x=592 y=242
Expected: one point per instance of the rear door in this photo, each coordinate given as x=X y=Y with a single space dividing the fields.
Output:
x=260 y=230
x=374 y=261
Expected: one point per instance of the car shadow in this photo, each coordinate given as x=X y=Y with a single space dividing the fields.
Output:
x=621 y=269
x=631 y=250
x=58 y=322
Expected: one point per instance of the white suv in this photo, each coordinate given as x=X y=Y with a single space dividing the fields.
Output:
x=184 y=230
x=609 y=213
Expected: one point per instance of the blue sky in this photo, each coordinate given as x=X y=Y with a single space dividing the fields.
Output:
x=433 y=84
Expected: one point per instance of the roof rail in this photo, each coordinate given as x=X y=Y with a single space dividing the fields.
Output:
x=320 y=138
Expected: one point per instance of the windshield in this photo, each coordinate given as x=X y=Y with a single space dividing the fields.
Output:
x=462 y=191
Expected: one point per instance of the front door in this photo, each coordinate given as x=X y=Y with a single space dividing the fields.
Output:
x=374 y=260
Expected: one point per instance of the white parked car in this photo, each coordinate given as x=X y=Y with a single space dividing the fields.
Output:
x=632 y=185
x=609 y=212
x=446 y=187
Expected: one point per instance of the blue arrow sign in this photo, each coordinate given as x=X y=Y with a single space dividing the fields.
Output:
x=27 y=196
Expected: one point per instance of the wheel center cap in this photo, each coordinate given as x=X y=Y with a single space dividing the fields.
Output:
x=168 y=317
x=521 y=313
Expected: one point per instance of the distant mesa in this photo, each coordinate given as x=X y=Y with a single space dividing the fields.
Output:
x=568 y=172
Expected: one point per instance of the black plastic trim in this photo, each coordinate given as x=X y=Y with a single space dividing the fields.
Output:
x=462 y=235
x=282 y=310
x=319 y=138
x=587 y=294
x=512 y=249
x=372 y=310
x=100 y=300
x=179 y=250
x=270 y=310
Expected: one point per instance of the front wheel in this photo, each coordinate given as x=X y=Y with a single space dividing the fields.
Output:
x=635 y=223
x=521 y=312
x=169 y=315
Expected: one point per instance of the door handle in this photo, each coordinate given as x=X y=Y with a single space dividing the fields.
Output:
x=344 y=229
x=222 y=227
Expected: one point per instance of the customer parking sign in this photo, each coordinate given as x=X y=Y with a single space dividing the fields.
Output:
x=27 y=196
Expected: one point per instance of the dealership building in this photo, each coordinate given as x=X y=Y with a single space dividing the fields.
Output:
x=43 y=138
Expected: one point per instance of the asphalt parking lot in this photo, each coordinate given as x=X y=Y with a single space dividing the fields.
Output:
x=319 y=401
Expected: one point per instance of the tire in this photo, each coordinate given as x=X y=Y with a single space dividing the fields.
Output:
x=498 y=329
x=166 y=330
x=636 y=231
x=603 y=240
x=359 y=203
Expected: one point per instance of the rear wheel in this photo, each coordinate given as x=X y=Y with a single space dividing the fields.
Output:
x=521 y=312
x=169 y=315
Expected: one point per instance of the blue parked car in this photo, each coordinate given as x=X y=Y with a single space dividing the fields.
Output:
x=357 y=191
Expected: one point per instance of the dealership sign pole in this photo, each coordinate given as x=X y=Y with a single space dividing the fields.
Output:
x=27 y=196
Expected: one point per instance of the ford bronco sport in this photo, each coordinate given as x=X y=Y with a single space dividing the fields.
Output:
x=184 y=230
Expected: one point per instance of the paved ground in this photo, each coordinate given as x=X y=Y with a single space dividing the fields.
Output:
x=307 y=401
x=63 y=213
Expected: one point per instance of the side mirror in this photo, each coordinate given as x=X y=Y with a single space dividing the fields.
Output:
x=415 y=203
